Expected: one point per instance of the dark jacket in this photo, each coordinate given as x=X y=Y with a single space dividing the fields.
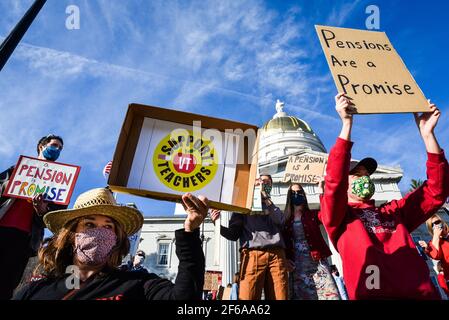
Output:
x=318 y=246
x=124 y=285
x=37 y=228
x=256 y=231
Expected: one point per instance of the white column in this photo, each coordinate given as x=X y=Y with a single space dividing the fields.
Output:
x=228 y=253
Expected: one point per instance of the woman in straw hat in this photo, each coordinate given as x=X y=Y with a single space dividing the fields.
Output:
x=89 y=243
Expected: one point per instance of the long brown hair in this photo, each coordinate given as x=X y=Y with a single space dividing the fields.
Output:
x=58 y=254
x=289 y=207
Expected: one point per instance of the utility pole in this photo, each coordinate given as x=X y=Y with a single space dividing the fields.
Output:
x=12 y=40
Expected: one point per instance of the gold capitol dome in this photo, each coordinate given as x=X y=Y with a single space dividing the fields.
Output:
x=286 y=134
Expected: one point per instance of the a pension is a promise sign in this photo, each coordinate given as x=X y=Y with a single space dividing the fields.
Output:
x=304 y=169
x=368 y=69
x=32 y=176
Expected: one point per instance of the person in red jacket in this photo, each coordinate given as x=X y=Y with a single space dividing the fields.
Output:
x=379 y=257
x=438 y=247
x=306 y=250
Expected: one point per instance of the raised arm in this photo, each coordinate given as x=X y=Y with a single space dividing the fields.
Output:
x=419 y=205
x=335 y=199
x=234 y=231
x=426 y=123
x=190 y=279
x=276 y=214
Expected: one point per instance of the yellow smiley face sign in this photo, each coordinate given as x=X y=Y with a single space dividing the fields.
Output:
x=185 y=163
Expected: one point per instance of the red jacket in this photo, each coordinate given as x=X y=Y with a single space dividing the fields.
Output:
x=442 y=282
x=318 y=247
x=380 y=260
x=441 y=255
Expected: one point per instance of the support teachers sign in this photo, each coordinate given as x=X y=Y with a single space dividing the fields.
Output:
x=163 y=153
x=368 y=69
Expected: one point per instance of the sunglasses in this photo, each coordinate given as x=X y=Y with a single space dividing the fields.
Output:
x=140 y=255
x=436 y=222
x=298 y=192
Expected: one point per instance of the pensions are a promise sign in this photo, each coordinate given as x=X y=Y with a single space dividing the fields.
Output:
x=32 y=176
x=368 y=69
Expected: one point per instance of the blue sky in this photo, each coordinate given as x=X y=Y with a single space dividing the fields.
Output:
x=228 y=59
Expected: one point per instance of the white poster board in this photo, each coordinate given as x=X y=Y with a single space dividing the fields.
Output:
x=161 y=166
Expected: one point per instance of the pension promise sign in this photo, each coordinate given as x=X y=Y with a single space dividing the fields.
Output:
x=304 y=169
x=368 y=69
x=32 y=176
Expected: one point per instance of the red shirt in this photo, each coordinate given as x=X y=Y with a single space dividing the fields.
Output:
x=380 y=260
x=442 y=255
x=19 y=216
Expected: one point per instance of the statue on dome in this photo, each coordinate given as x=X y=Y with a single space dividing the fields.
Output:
x=279 y=106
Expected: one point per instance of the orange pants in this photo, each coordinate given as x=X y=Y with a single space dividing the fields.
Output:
x=263 y=269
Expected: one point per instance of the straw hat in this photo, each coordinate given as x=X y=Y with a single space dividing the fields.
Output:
x=96 y=201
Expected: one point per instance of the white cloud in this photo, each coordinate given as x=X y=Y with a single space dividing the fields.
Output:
x=341 y=13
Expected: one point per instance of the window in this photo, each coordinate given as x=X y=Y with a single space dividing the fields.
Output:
x=162 y=254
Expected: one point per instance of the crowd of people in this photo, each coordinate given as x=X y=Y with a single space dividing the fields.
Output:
x=283 y=254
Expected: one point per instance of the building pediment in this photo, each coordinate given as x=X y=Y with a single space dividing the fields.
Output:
x=382 y=172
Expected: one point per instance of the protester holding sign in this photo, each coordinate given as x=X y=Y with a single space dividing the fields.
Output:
x=92 y=238
x=263 y=263
x=21 y=226
x=306 y=248
x=375 y=242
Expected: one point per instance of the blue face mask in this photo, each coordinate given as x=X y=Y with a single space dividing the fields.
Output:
x=298 y=199
x=51 y=153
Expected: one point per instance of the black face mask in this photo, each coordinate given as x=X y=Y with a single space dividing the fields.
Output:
x=298 y=199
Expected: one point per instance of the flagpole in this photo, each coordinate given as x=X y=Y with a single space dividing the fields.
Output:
x=12 y=40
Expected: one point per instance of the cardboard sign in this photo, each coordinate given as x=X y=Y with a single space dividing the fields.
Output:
x=368 y=69
x=163 y=154
x=212 y=280
x=304 y=169
x=32 y=176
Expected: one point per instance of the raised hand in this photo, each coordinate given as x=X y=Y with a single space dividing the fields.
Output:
x=196 y=208
x=215 y=215
x=39 y=204
x=427 y=121
x=423 y=244
x=344 y=107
